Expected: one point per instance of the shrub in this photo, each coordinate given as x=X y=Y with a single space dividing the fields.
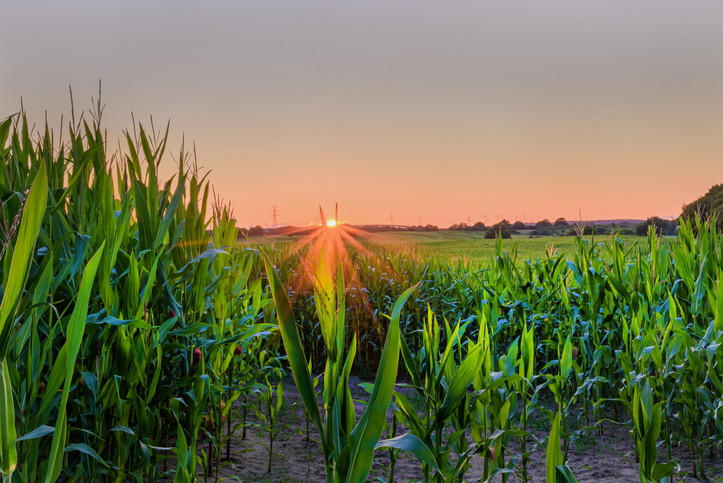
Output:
x=545 y=232
x=498 y=230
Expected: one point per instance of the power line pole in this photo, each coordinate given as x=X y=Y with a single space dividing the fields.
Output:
x=419 y=220
x=274 y=213
x=391 y=219
x=469 y=220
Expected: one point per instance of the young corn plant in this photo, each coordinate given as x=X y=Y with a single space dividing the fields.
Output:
x=348 y=445
x=443 y=386
x=647 y=423
x=269 y=418
x=525 y=389
x=556 y=470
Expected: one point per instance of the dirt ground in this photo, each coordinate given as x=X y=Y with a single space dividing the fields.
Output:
x=603 y=459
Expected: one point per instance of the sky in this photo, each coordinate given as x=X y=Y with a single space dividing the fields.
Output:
x=400 y=111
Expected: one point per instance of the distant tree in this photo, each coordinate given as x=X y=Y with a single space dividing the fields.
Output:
x=479 y=226
x=431 y=228
x=561 y=222
x=498 y=230
x=543 y=223
x=458 y=227
x=658 y=225
x=518 y=225
x=256 y=231
x=242 y=232
x=505 y=222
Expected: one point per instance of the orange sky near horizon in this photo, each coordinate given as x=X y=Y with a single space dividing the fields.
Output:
x=423 y=111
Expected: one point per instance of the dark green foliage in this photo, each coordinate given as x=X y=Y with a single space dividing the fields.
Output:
x=499 y=230
x=134 y=303
x=543 y=223
x=542 y=232
x=660 y=226
x=256 y=231
x=709 y=204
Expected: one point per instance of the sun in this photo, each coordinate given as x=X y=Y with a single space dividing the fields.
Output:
x=331 y=223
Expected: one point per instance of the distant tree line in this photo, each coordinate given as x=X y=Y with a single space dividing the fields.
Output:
x=253 y=231
x=503 y=228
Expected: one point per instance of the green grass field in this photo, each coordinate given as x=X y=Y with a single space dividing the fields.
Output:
x=472 y=248
x=467 y=247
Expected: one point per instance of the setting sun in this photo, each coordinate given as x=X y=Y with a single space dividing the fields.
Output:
x=331 y=223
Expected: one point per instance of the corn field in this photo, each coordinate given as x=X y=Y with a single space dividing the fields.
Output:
x=138 y=338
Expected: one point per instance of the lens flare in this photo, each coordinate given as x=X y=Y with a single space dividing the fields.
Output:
x=331 y=223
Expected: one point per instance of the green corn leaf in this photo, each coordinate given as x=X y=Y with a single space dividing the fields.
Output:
x=409 y=363
x=55 y=380
x=461 y=381
x=8 y=451
x=13 y=287
x=566 y=360
x=23 y=253
x=366 y=434
x=412 y=420
x=5 y=130
x=84 y=448
x=294 y=348
x=38 y=432
x=563 y=474
x=409 y=442
x=719 y=304
x=554 y=455
x=76 y=329
x=170 y=213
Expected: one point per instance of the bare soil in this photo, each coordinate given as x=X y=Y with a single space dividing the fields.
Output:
x=606 y=458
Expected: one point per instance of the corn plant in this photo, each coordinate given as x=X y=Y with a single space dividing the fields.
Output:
x=647 y=421
x=348 y=445
x=443 y=386
x=556 y=470
x=31 y=213
x=268 y=418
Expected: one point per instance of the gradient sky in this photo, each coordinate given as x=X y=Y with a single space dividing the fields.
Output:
x=431 y=110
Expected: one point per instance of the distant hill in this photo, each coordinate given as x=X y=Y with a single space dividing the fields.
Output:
x=711 y=202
